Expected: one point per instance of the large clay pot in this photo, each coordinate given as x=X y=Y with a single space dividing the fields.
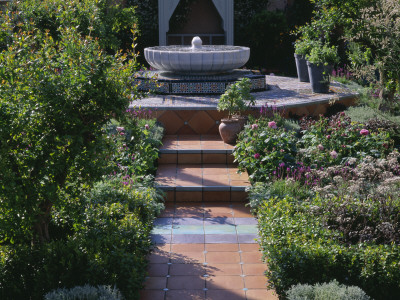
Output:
x=301 y=66
x=229 y=129
x=319 y=77
x=242 y=120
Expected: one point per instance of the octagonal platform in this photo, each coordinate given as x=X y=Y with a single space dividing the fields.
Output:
x=185 y=114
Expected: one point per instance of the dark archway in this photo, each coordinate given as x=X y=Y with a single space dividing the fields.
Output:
x=202 y=20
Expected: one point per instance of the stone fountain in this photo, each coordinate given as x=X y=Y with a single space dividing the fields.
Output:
x=196 y=69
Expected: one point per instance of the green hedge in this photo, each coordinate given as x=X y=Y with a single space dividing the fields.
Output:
x=108 y=246
x=300 y=249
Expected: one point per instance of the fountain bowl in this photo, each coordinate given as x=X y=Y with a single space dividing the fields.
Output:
x=197 y=59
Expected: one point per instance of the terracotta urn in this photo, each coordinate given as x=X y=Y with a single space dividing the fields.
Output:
x=229 y=129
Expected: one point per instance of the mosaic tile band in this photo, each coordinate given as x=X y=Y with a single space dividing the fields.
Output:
x=195 y=85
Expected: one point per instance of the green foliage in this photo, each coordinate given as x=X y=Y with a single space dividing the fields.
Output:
x=55 y=98
x=108 y=243
x=326 y=291
x=299 y=248
x=375 y=47
x=85 y=292
x=279 y=189
x=263 y=147
x=237 y=98
x=336 y=140
x=323 y=54
x=111 y=24
x=135 y=142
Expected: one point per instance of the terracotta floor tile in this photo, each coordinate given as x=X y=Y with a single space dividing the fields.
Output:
x=214 y=171
x=255 y=282
x=185 y=295
x=222 y=247
x=186 y=283
x=254 y=269
x=162 y=248
x=159 y=257
x=225 y=294
x=157 y=270
x=217 y=214
x=188 y=258
x=177 y=248
x=224 y=283
x=223 y=269
x=151 y=295
x=222 y=257
x=250 y=247
x=155 y=283
x=261 y=294
x=251 y=257
x=187 y=269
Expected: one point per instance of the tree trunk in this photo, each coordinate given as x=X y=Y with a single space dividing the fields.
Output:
x=41 y=228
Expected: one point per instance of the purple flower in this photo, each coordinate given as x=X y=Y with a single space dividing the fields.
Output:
x=147 y=126
x=257 y=156
x=254 y=126
x=333 y=154
x=272 y=125
x=364 y=132
x=320 y=147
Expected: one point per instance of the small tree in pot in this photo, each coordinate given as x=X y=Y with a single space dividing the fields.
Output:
x=320 y=63
x=235 y=100
x=302 y=48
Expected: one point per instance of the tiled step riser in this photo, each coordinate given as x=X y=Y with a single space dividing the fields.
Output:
x=205 y=196
x=196 y=158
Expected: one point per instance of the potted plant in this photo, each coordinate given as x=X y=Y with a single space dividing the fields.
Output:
x=235 y=100
x=320 y=63
x=302 y=48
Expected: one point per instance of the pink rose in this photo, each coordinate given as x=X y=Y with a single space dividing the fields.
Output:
x=328 y=136
x=320 y=147
x=119 y=129
x=256 y=156
x=254 y=126
x=364 y=132
x=147 y=126
x=333 y=154
x=272 y=125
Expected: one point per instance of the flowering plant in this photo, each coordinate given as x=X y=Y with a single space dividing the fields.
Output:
x=263 y=148
x=336 y=140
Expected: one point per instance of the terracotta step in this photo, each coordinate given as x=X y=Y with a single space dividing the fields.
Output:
x=202 y=182
x=195 y=149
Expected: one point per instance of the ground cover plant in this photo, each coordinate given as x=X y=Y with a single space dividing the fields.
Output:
x=326 y=195
x=77 y=201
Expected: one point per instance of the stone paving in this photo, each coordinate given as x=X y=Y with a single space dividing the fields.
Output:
x=284 y=92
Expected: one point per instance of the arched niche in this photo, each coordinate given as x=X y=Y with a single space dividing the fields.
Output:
x=167 y=7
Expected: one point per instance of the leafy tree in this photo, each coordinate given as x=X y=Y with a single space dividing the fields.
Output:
x=56 y=93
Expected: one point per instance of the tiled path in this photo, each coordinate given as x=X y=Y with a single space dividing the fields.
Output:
x=206 y=238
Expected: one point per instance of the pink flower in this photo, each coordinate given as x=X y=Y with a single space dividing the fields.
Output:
x=364 y=132
x=119 y=129
x=328 y=136
x=256 y=156
x=320 y=147
x=147 y=126
x=254 y=126
x=333 y=154
x=272 y=125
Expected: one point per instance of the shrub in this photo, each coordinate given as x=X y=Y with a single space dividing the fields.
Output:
x=300 y=248
x=326 y=291
x=108 y=244
x=85 y=292
x=263 y=147
x=335 y=140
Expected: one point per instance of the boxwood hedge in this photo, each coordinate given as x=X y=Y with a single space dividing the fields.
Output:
x=299 y=248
